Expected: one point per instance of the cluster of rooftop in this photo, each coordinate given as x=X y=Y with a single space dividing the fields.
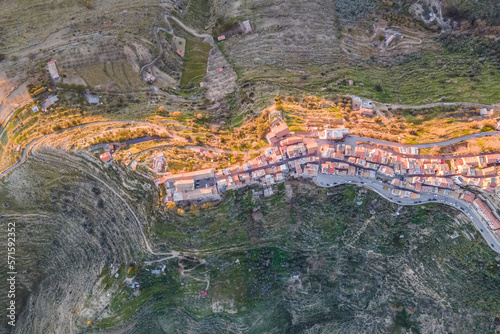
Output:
x=404 y=173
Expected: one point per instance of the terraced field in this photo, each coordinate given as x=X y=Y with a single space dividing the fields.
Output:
x=195 y=63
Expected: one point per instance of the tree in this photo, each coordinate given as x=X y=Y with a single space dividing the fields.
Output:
x=279 y=103
x=171 y=205
x=161 y=111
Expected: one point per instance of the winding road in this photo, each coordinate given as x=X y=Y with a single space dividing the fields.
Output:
x=351 y=140
x=324 y=180
x=30 y=146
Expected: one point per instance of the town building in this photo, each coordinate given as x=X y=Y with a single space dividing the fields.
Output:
x=333 y=134
x=483 y=208
x=191 y=186
x=366 y=112
x=106 y=157
x=278 y=130
x=50 y=100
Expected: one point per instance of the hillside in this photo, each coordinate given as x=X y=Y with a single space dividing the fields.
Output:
x=108 y=241
x=362 y=263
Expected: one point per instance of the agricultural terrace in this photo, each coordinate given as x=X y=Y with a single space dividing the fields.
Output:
x=195 y=65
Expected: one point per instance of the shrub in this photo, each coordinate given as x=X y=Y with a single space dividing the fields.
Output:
x=39 y=91
x=89 y=4
x=194 y=209
x=207 y=205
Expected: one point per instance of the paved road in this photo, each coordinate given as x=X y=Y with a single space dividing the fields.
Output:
x=351 y=140
x=325 y=180
x=30 y=146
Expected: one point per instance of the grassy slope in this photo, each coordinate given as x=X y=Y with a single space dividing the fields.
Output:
x=427 y=80
x=198 y=14
x=195 y=65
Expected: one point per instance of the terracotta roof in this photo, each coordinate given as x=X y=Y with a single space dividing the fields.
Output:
x=106 y=157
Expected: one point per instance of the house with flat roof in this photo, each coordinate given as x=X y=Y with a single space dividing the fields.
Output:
x=149 y=77
x=54 y=73
x=184 y=185
x=333 y=134
x=92 y=99
x=246 y=27
x=50 y=100
x=485 y=112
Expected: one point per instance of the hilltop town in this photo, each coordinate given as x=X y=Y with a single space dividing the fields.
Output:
x=332 y=156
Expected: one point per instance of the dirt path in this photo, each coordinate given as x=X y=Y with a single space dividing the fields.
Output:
x=379 y=106
x=209 y=38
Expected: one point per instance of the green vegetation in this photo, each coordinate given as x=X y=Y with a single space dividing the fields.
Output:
x=472 y=11
x=197 y=13
x=195 y=64
x=223 y=24
x=257 y=279
x=423 y=79
x=487 y=128
x=79 y=88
